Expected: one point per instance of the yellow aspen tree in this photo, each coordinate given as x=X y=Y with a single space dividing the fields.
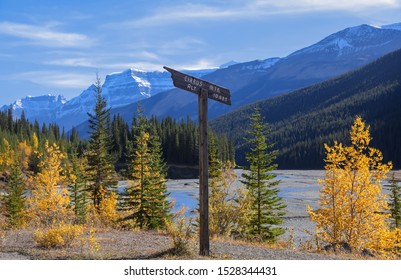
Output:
x=49 y=201
x=108 y=208
x=24 y=151
x=6 y=155
x=354 y=210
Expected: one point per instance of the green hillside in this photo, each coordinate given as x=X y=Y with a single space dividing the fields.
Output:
x=302 y=121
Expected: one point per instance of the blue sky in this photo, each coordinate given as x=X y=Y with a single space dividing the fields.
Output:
x=56 y=47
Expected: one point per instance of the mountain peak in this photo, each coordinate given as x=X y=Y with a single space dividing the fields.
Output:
x=352 y=40
x=228 y=64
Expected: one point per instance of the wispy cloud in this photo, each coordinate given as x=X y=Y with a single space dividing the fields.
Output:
x=311 y=5
x=199 y=64
x=56 y=79
x=75 y=62
x=184 y=12
x=44 y=35
x=252 y=9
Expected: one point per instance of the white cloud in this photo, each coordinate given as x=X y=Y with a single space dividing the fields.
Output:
x=57 y=79
x=200 y=64
x=251 y=9
x=188 y=11
x=44 y=35
x=76 y=62
x=294 y=6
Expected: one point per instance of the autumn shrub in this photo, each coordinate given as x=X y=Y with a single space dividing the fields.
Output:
x=106 y=215
x=61 y=235
x=180 y=231
x=354 y=211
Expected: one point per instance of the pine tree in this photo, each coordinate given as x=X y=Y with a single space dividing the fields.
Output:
x=145 y=198
x=159 y=209
x=136 y=196
x=100 y=167
x=395 y=202
x=15 y=201
x=77 y=187
x=353 y=208
x=266 y=210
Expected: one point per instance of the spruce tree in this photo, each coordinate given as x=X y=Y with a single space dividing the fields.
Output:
x=159 y=206
x=135 y=199
x=145 y=198
x=15 y=201
x=266 y=209
x=77 y=181
x=100 y=164
x=395 y=202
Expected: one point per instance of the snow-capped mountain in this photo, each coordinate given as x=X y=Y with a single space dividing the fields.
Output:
x=336 y=54
x=42 y=108
x=119 y=89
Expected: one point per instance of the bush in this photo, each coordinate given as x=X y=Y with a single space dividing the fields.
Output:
x=180 y=231
x=58 y=236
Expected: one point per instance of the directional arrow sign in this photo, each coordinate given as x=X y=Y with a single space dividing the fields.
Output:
x=195 y=85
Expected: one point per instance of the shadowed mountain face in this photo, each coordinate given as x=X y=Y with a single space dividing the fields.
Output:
x=302 y=121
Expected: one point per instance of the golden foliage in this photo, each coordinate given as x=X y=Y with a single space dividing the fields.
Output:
x=353 y=208
x=106 y=215
x=92 y=240
x=61 y=235
x=108 y=208
x=7 y=155
x=180 y=231
x=49 y=200
x=222 y=209
x=24 y=152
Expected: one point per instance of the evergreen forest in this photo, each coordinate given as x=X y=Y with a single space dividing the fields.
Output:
x=302 y=121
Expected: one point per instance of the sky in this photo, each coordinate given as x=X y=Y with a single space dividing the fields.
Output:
x=57 y=47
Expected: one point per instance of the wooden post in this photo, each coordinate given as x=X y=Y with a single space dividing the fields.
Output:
x=203 y=175
x=204 y=90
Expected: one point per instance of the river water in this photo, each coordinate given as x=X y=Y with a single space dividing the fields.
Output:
x=297 y=188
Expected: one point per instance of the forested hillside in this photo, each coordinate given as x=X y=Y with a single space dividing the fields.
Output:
x=302 y=121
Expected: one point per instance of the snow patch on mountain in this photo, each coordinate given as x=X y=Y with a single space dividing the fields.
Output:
x=260 y=64
x=42 y=108
x=228 y=64
x=352 y=40
x=119 y=89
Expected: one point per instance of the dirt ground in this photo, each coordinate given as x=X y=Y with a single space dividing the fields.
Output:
x=124 y=245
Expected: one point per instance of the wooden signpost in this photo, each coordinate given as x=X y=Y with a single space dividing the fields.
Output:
x=204 y=90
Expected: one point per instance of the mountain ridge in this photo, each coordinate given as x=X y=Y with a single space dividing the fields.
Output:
x=301 y=121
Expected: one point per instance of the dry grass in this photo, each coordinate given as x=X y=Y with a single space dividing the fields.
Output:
x=111 y=244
